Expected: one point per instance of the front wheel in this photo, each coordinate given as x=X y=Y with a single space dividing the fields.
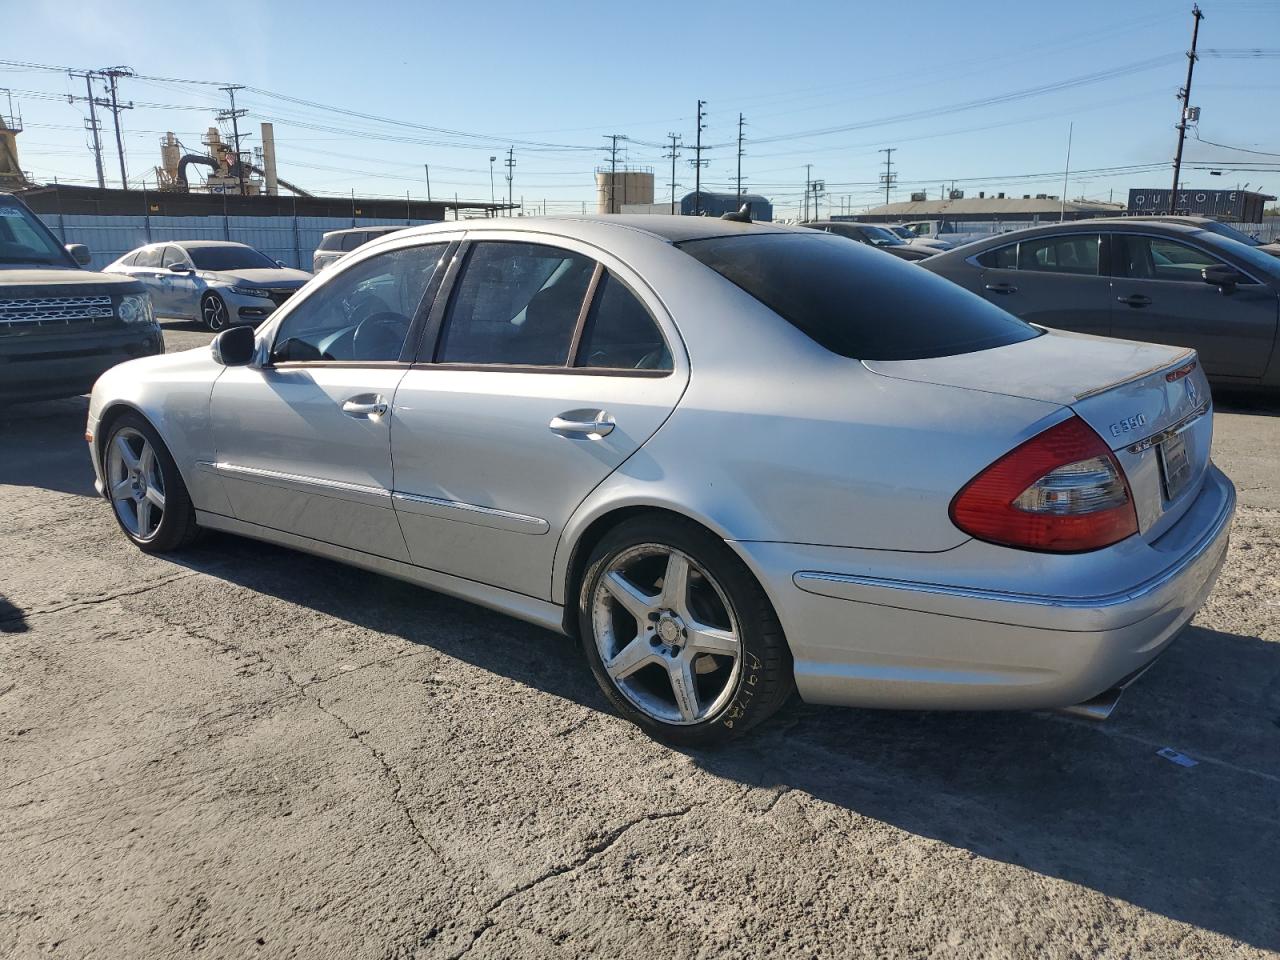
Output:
x=679 y=635
x=147 y=494
x=214 y=312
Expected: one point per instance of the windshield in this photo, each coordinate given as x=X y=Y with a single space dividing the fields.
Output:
x=1261 y=265
x=856 y=303
x=881 y=237
x=1238 y=235
x=24 y=240
x=229 y=258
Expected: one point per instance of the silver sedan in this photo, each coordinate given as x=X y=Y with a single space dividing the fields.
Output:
x=217 y=282
x=733 y=459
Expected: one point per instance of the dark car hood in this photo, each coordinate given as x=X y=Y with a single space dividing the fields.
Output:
x=907 y=252
x=67 y=281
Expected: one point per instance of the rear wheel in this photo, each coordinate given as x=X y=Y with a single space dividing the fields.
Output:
x=148 y=497
x=679 y=635
x=214 y=312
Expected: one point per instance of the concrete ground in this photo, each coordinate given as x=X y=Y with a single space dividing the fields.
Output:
x=247 y=752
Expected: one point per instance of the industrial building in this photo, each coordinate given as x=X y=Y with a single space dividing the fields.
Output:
x=616 y=188
x=1020 y=210
x=1236 y=206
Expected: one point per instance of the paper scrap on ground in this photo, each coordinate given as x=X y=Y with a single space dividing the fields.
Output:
x=1181 y=759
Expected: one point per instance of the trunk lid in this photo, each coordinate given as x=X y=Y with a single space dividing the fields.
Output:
x=1149 y=403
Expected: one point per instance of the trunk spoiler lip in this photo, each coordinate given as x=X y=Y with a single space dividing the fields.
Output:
x=1131 y=378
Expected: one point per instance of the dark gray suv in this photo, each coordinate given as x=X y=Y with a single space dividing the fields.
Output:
x=61 y=326
x=1158 y=281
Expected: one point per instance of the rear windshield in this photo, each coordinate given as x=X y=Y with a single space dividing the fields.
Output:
x=856 y=302
x=229 y=258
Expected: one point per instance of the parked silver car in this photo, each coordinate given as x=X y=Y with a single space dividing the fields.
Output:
x=216 y=282
x=336 y=244
x=729 y=457
x=1159 y=280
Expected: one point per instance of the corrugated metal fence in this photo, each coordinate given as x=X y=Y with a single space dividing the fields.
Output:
x=289 y=239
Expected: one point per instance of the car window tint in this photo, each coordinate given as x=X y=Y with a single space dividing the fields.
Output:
x=363 y=312
x=855 y=302
x=515 y=303
x=1157 y=258
x=1001 y=258
x=352 y=240
x=173 y=255
x=149 y=257
x=620 y=333
x=330 y=241
x=1073 y=253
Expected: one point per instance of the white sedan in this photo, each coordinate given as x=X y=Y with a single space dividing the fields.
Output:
x=732 y=458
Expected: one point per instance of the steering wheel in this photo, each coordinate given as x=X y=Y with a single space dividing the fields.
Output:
x=380 y=336
x=364 y=304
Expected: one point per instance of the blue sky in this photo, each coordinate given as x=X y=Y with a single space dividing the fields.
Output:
x=827 y=84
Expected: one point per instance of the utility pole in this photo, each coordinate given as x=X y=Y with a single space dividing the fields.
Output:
x=234 y=116
x=698 y=163
x=739 y=160
x=808 y=168
x=426 y=167
x=92 y=124
x=510 y=164
x=888 y=178
x=613 y=138
x=1066 y=172
x=1184 y=95
x=492 y=195
x=675 y=152
x=112 y=75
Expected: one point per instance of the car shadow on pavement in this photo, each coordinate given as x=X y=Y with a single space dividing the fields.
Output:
x=12 y=618
x=1091 y=804
x=47 y=456
x=1254 y=402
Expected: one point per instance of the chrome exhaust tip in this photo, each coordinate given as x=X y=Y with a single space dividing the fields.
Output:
x=1098 y=708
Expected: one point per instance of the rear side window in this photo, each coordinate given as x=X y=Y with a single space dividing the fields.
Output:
x=352 y=240
x=857 y=303
x=1076 y=253
x=515 y=303
x=1001 y=258
x=148 y=258
x=620 y=333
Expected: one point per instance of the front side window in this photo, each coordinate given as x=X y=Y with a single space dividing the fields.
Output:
x=1157 y=258
x=515 y=303
x=362 y=313
x=1074 y=253
x=173 y=255
x=23 y=241
x=620 y=334
x=855 y=303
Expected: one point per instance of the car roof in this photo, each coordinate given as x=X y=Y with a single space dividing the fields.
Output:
x=198 y=244
x=672 y=229
x=372 y=228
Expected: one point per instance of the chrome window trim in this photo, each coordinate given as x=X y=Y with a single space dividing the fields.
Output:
x=810 y=580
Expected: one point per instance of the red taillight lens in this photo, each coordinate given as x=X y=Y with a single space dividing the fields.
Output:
x=1061 y=491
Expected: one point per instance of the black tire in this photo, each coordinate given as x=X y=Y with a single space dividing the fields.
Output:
x=765 y=678
x=213 y=313
x=177 y=527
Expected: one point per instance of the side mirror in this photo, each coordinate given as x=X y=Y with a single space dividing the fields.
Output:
x=179 y=268
x=235 y=347
x=1221 y=275
x=282 y=265
x=79 y=253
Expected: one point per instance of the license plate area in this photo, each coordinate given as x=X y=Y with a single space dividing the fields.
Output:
x=1175 y=466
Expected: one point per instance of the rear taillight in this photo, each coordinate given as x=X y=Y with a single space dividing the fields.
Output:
x=1061 y=491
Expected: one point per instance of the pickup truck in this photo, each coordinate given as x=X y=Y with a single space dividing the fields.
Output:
x=62 y=326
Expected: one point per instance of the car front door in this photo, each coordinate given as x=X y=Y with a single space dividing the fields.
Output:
x=303 y=439
x=1055 y=281
x=181 y=295
x=1161 y=297
x=551 y=368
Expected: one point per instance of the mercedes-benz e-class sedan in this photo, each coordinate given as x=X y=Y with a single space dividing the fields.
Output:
x=218 y=282
x=731 y=458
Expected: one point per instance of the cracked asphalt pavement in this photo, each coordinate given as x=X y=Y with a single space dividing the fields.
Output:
x=247 y=752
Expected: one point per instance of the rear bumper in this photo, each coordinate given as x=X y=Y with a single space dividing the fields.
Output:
x=873 y=641
x=47 y=368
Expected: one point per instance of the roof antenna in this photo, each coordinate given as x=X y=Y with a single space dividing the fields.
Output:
x=743 y=214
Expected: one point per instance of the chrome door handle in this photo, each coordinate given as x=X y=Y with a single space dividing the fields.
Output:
x=574 y=423
x=357 y=407
x=1135 y=300
x=1001 y=288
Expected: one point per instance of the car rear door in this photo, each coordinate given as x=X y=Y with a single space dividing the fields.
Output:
x=1160 y=297
x=1054 y=280
x=303 y=439
x=554 y=363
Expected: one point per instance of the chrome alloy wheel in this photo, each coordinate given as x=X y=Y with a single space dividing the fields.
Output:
x=666 y=634
x=135 y=483
x=214 y=312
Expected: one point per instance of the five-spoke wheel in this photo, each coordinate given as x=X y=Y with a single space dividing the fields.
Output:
x=679 y=634
x=135 y=482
